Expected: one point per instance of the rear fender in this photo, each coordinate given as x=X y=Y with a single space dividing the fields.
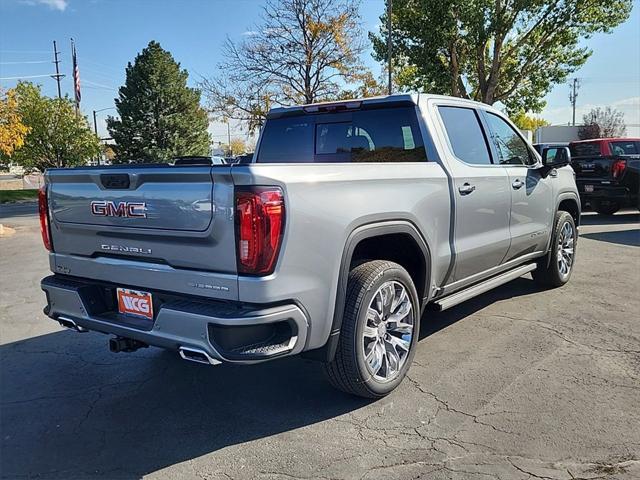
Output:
x=361 y=233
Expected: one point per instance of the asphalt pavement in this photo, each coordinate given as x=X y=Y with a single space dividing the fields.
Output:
x=518 y=383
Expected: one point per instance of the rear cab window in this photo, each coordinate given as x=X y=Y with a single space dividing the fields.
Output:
x=586 y=149
x=385 y=134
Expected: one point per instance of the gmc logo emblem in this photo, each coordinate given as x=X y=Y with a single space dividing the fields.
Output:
x=107 y=208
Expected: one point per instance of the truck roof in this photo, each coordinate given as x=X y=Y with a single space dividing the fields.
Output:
x=359 y=102
x=608 y=139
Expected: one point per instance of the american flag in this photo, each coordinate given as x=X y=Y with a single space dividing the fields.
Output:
x=76 y=75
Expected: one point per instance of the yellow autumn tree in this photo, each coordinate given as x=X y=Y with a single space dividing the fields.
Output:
x=238 y=146
x=12 y=130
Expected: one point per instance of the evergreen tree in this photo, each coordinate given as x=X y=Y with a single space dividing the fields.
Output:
x=160 y=117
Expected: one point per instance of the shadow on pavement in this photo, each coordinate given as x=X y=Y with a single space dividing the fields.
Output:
x=620 y=218
x=434 y=321
x=71 y=409
x=621 y=237
x=21 y=209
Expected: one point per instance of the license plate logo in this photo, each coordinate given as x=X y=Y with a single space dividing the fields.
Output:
x=588 y=188
x=133 y=302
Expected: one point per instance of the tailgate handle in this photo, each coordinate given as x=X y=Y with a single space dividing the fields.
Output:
x=114 y=180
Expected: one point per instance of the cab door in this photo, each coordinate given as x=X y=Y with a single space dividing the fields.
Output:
x=482 y=194
x=532 y=207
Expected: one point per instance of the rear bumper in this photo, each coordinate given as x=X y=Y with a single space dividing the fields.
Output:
x=226 y=331
x=604 y=192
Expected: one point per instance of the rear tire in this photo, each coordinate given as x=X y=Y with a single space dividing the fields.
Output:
x=555 y=268
x=608 y=208
x=379 y=332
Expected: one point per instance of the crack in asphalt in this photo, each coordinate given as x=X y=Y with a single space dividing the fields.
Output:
x=549 y=327
x=449 y=408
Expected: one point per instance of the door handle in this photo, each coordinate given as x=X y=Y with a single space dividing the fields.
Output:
x=466 y=189
x=517 y=183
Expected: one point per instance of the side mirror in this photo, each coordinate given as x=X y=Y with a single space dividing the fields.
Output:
x=556 y=157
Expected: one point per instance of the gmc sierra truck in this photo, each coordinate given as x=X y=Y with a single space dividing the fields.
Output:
x=608 y=173
x=351 y=218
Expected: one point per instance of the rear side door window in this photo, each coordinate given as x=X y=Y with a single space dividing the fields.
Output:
x=465 y=135
x=510 y=146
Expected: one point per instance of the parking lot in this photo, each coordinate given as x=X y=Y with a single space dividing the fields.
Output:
x=518 y=383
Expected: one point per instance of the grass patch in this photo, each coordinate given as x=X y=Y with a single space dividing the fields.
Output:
x=9 y=196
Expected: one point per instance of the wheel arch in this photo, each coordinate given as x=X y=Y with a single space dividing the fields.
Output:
x=567 y=202
x=374 y=239
x=570 y=203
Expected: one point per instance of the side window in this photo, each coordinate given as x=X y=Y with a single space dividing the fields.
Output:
x=511 y=148
x=465 y=135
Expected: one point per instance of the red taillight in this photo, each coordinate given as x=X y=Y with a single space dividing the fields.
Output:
x=259 y=228
x=618 y=167
x=43 y=208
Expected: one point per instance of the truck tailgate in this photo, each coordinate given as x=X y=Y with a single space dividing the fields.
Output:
x=180 y=216
x=592 y=167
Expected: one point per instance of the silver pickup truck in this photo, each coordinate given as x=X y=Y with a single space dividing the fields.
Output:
x=352 y=217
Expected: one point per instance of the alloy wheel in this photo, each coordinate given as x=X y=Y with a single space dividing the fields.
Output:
x=566 y=243
x=388 y=332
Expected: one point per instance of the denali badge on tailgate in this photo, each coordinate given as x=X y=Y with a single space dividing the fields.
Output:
x=107 y=208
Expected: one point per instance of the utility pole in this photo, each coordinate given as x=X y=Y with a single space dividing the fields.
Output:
x=95 y=123
x=95 y=126
x=389 y=44
x=95 y=129
x=229 y=138
x=573 y=95
x=57 y=76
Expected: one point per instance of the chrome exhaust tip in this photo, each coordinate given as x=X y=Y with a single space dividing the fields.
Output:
x=197 y=355
x=71 y=324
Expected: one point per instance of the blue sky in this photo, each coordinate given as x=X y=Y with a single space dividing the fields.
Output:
x=109 y=33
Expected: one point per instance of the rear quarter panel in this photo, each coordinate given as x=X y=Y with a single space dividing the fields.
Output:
x=325 y=203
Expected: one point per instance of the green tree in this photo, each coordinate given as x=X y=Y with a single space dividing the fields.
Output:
x=528 y=122
x=57 y=137
x=160 y=117
x=511 y=51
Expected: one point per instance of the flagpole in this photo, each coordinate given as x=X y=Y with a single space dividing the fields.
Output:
x=76 y=78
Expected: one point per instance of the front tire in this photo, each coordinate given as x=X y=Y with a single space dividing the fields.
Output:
x=379 y=331
x=555 y=268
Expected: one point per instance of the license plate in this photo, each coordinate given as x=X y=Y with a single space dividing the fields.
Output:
x=588 y=188
x=134 y=302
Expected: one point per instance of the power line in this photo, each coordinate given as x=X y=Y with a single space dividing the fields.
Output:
x=24 y=51
x=25 y=76
x=24 y=62
x=99 y=85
